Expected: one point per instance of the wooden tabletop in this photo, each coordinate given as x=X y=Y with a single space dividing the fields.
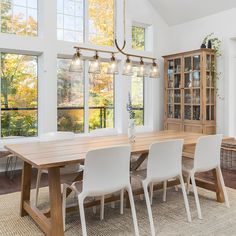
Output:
x=60 y=153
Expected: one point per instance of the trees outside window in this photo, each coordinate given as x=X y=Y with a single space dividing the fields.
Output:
x=101 y=99
x=138 y=37
x=19 y=115
x=70 y=98
x=19 y=17
x=73 y=15
x=137 y=96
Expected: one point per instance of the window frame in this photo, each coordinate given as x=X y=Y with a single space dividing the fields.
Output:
x=86 y=26
x=86 y=93
x=37 y=108
x=26 y=9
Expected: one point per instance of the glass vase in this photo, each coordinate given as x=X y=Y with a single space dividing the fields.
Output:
x=131 y=130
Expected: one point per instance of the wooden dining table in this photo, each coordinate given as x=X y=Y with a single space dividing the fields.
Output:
x=54 y=155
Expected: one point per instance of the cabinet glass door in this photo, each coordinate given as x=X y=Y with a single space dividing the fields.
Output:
x=192 y=84
x=210 y=87
x=174 y=88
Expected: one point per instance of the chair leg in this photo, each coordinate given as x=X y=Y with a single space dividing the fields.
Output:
x=188 y=183
x=145 y=189
x=38 y=186
x=64 y=207
x=94 y=208
x=196 y=196
x=102 y=208
x=218 y=169
x=151 y=192
x=164 y=190
x=122 y=201
x=131 y=199
x=82 y=215
x=186 y=203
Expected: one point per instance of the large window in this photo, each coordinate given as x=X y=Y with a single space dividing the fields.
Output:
x=101 y=99
x=72 y=16
x=70 y=20
x=19 y=17
x=101 y=22
x=70 y=93
x=138 y=37
x=137 y=97
x=18 y=95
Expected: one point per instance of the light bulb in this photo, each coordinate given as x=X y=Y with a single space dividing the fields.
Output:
x=76 y=63
x=128 y=69
x=155 y=73
x=142 y=71
x=95 y=66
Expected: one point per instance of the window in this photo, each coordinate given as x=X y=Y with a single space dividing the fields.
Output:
x=137 y=97
x=19 y=17
x=70 y=92
x=101 y=22
x=70 y=20
x=101 y=99
x=18 y=95
x=138 y=37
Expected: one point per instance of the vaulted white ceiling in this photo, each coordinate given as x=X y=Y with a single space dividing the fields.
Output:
x=179 y=11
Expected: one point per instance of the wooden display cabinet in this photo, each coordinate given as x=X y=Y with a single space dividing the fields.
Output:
x=190 y=93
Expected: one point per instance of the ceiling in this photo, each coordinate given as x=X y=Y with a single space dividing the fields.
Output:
x=179 y=11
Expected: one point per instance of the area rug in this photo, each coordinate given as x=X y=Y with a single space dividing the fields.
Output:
x=169 y=217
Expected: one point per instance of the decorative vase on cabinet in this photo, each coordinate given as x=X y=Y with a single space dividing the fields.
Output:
x=190 y=94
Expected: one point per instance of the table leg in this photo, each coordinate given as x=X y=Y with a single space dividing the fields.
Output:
x=218 y=187
x=55 y=201
x=25 y=187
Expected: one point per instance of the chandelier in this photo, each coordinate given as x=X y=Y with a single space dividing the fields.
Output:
x=113 y=68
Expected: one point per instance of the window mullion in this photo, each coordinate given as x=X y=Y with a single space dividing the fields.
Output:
x=86 y=98
x=86 y=21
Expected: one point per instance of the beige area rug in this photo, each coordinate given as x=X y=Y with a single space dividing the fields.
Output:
x=169 y=217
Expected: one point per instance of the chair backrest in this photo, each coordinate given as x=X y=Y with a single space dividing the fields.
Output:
x=106 y=170
x=207 y=152
x=51 y=136
x=165 y=160
x=103 y=132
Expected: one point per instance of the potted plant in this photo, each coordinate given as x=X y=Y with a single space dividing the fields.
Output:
x=215 y=44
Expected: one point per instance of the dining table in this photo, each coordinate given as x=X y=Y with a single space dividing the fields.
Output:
x=54 y=155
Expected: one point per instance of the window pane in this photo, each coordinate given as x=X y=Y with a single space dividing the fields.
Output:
x=70 y=20
x=19 y=95
x=18 y=17
x=137 y=96
x=101 y=99
x=101 y=22
x=70 y=98
x=138 y=38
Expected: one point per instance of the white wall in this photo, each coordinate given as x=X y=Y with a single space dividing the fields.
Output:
x=189 y=36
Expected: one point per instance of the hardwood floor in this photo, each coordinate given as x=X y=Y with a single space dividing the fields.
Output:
x=9 y=186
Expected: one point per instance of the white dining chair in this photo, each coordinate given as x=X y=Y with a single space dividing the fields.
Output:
x=55 y=136
x=98 y=133
x=106 y=171
x=206 y=157
x=164 y=163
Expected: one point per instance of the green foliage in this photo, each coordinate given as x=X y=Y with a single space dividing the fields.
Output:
x=138 y=38
x=216 y=43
